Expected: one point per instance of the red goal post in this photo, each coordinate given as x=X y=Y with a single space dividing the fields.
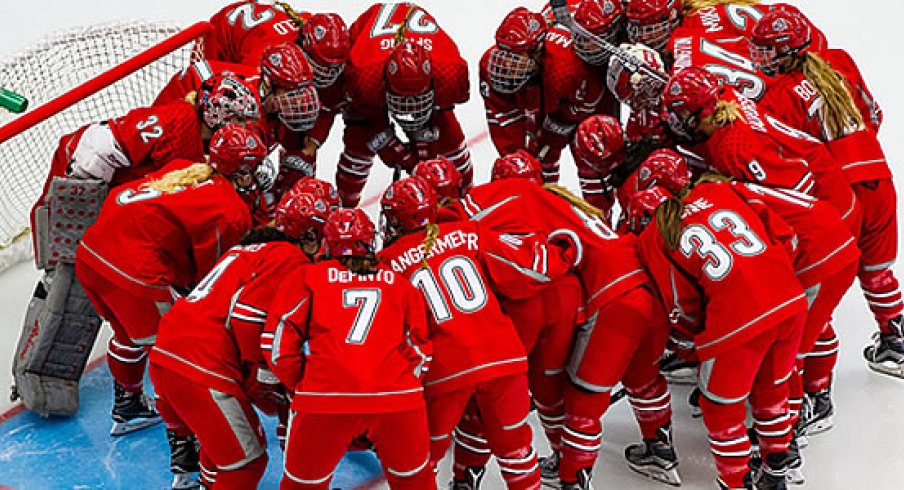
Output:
x=71 y=79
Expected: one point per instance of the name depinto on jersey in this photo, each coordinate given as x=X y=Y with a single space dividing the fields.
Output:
x=347 y=276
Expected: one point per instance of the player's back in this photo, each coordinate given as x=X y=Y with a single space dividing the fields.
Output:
x=359 y=330
x=243 y=30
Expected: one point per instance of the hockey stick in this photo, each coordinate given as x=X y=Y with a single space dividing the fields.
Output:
x=631 y=62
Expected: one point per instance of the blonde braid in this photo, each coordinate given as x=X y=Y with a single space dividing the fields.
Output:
x=178 y=179
x=711 y=176
x=726 y=113
x=403 y=27
x=668 y=221
x=699 y=4
x=293 y=15
x=432 y=233
x=840 y=112
x=581 y=204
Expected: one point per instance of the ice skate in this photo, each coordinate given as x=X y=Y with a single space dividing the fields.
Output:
x=795 y=464
x=655 y=458
x=583 y=482
x=132 y=411
x=473 y=476
x=676 y=370
x=694 y=401
x=886 y=355
x=549 y=472
x=184 y=460
x=773 y=474
x=816 y=417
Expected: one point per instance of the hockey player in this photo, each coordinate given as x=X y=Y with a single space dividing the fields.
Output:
x=599 y=149
x=366 y=329
x=243 y=30
x=706 y=245
x=538 y=83
x=459 y=267
x=634 y=342
x=402 y=68
x=202 y=373
x=810 y=95
x=442 y=175
x=154 y=239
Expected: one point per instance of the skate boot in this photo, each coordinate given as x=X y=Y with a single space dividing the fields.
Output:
x=655 y=458
x=772 y=475
x=132 y=411
x=583 y=482
x=473 y=476
x=549 y=472
x=816 y=418
x=694 y=401
x=795 y=473
x=184 y=460
x=886 y=355
x=676 y=370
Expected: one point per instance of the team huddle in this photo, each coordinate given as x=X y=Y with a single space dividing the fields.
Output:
x=723 y=149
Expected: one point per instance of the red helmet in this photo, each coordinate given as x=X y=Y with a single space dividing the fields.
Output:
x=519 y=38
x=689 y=96
x=409 y=79
x=319 y=188
x=302 y=216
x=599 y=143
x=652 y=21
x=325 y=39
x=518 y=165
x=408 y=204
x=287 y=77
x=664 y=168
x=633 y=88
x=643 y=205
x=285 y=66
x=350 y=233
x=442 y=175
x=236 y=150
x=225 y=99
x=604 y=18
x=779 y=35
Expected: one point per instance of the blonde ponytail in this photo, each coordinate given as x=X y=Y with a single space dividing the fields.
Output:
x=582 y=205
x=699 y=4
x=726 y=112
x=839 y=110
x=179 y=179
x=432 y=233
x=293 y=15
x=668 y=221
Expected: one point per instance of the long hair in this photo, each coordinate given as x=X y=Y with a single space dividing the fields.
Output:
x=699 y=4
x=178 y=179
x=361 y=265
x=265 y=234
x=581 y=204
x=431 y=233
x=291 y=13
x=840 y=112
x=669 y=213
x=726 y=113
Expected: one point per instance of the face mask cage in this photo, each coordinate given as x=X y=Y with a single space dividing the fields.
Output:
x=684 y=125
x=325 y=74
x=411 y=112
x=590 y=51
x=510 y=71
x=298 y=109
x=654 y=35
x=766 y=58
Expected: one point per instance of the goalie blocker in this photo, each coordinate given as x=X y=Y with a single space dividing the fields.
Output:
x=60 y=324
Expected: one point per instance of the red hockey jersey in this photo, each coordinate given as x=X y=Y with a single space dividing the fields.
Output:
x=727 y=22
x=794 y=100
x=367 y=340
x=825 y=245
x=243 y=30
x=727 y=58
x=213 y=336
x=149 y=242
x=473 y=340
x=729 y=279
x=868 y=105
x=607 y=264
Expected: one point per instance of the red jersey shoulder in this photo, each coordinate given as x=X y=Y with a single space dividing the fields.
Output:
x=725 y=21
x=565 y=77
x=242 y=30
x=374 y=37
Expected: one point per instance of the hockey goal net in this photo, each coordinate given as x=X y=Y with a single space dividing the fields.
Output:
x=71 y=79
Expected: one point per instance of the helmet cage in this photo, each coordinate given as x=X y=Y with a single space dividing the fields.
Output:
x=592 y=52
x=411 y=112
x=297 y=109
x=510 y=71
x=325 y=74
x=655 y=35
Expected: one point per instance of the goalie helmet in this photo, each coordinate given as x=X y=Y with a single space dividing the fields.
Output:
x=301 y=217
x=409 y=80
x=642 y=207
x=690 y=96
x=235 y=152
x=225 y=99
x=664 y=168
x=442 y=175
x=604 y=18
x=517 y=165
x=519 y=40
x=350 y=233
x=599 y=144
x=286 y=87
x=633 y=88
x=326 y=41
x=408 y=204
x=779 y=36
x=319 y=188
x=651 y=22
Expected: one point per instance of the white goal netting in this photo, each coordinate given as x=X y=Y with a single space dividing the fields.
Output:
x=52 y=67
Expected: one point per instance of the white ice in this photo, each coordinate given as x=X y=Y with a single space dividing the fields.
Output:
x=866 y=448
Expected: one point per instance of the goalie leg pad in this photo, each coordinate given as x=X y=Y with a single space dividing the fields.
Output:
x=60 y=329
x=70 y=207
